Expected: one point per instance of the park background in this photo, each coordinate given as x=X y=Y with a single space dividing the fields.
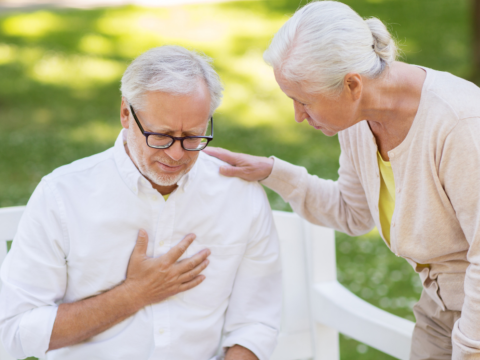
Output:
x=59 y=98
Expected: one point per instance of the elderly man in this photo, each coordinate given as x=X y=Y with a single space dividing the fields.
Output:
x=144 y=251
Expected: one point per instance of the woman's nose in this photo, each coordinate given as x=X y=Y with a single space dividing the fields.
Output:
x=300 y=113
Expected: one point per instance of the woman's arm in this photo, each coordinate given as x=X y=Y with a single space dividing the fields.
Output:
x=459 y=173
x=341 y=204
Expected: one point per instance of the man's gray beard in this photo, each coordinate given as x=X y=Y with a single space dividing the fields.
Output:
x=159 y=179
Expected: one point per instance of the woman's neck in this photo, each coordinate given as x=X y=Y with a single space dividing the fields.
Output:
x=390 y=104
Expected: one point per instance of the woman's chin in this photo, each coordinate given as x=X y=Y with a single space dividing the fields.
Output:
x=326 y=132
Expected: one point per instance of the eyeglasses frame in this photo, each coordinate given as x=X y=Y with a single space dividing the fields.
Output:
x=174 y=138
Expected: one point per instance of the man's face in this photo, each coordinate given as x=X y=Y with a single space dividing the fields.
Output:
x=175 y=115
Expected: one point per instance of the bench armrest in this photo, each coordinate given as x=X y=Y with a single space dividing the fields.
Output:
x=338 y=308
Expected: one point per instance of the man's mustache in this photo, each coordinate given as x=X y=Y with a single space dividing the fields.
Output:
x=172 y=163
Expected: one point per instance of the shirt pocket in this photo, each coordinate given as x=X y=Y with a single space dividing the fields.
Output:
x=219 y=275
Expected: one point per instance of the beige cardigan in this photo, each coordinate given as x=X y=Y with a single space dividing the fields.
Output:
x=437 y=211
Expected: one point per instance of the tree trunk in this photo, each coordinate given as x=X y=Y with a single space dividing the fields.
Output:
x=476 y=41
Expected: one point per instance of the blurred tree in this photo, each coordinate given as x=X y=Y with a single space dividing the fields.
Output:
x=476 y=41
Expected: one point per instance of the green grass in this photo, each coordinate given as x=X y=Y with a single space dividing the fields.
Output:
x=59 y=100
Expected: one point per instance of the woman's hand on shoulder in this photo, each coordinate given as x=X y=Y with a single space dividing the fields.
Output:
x=244 y=166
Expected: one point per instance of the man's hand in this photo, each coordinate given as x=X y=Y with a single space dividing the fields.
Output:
x=238 y=352
x=148 y=281
x=152 y=280
x=246 y=167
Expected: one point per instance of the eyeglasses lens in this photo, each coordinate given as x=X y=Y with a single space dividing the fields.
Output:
x=195 y=143
x=159 y=141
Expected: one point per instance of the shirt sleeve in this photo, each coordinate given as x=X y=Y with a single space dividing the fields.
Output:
x=341 y=205
x=459 y=173
x=34 y=277
x=254 y=312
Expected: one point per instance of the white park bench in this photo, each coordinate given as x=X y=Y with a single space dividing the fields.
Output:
x=315 y=306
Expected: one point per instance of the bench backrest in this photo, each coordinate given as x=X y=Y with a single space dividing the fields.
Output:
x=9 y=219
x=308 y=255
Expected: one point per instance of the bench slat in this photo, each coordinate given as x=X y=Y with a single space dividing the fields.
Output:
x=9 y=219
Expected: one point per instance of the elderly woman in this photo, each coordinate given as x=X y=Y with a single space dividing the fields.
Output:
x=409 y=163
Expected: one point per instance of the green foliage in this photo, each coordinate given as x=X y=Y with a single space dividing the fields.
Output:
x=59 y=100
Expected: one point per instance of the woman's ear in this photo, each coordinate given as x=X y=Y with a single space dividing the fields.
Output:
x=353 y=85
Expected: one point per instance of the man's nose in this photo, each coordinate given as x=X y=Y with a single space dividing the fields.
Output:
x=175 y=152
x=300 y=113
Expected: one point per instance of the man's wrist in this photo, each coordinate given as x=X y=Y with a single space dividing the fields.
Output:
x=131 y=296
x=238 y=352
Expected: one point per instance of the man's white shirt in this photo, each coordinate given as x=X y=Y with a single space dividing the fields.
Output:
x=75 y=239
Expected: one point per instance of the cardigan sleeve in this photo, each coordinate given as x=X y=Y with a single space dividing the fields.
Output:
x=341 y=204
x=459 y=173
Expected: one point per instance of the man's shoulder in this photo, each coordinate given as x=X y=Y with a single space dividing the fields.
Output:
x=82 y=167
x=245 y=197
x=210 y=167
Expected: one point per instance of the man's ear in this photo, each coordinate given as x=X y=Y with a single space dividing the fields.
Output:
x=353 y=85
x=124 y=113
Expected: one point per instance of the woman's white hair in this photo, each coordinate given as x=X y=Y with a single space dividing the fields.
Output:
x=326 y=40
x=170 y=69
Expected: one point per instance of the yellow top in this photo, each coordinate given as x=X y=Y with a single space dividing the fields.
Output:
x=166 y=197
x=386 y=201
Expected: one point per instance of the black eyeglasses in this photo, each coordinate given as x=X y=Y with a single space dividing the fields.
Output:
x=164 y=141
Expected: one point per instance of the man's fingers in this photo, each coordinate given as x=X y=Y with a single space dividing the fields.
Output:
x=188 y=276
x=189 y=264
x=222 y=154
x=175 y=252
x=142 y=243
x=192 y=283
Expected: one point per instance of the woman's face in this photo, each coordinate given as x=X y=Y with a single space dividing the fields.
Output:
x=330 y=115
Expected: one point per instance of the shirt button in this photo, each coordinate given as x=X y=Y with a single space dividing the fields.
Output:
x=154 y=197
x=161 y=243
x=391 y=154
x=161 y=331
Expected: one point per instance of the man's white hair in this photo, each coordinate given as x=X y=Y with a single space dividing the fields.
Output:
x=170 y=69
x=326 y=40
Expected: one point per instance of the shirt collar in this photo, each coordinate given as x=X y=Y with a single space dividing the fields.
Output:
x=130 y=174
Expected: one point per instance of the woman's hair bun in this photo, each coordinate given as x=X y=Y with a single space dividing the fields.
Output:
x=383 y=43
